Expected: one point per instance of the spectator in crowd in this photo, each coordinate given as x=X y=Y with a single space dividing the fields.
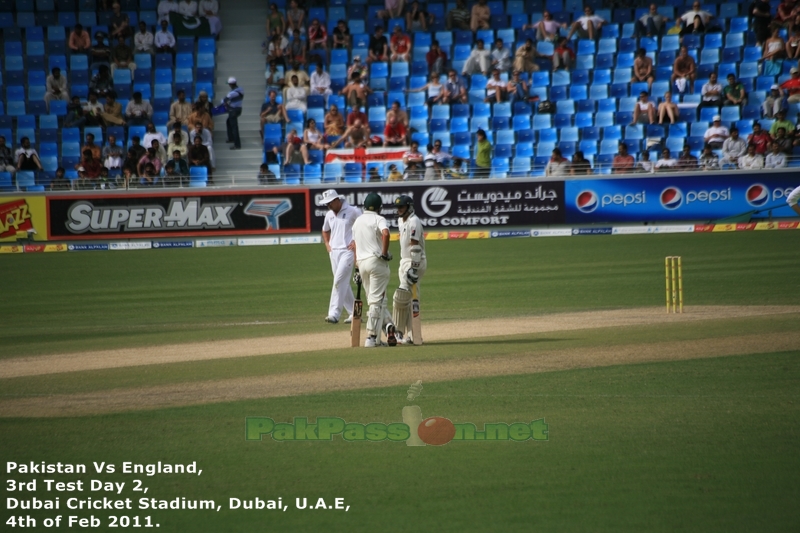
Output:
x=275 y=21
x=563 y=55
x=773 y=53
x=150 y=175
x=199 y=114
x=792 y=86
x=303 y=79
x=92 y=147
x=394 y=174
x=138 y=151
x=684 y=71
x=436 y=58
x=501 y=57
x=525 y=56
x=199 y=156
x=479 y=60
x=120 y=23
x=644 y=165
x=785 y=13
x=400 y=45
x=27 y=158
x=320 y=82
x=759 y=138
x=274 y=77
x=695 y=20
x=711 y=93
x=458 y=17
x=414 y=161
x=651 y=24
x=668 y=108
x=112 y=155
x=334 y=122
x=733 y=148
x=209 y=9
x=394 y=133
x=623 y=162
x=138 y=111
x=357 y=114
x=644 y=111
x=588 y=26
x=129 y=174
x=178 y=133
x=780 y=122
x=277 y=50
x=100 y=53
x=89 y=170
x=75 y=116
x=153 y=135
x=455 y=92
x=547 y=28
x=776 y=158
x=751 y=160
x=580 y=165
x=356 y=92
x=373 y=176
x=233 y=102
x=378 y=46
x=355 y=136
x=558 y=165
x=7 y=161
x=483 y=155
x=177 y=169
x=643 y=68
x=188 y=8
x=165 y=7
x=93 y=111
x=516 y=88
x=179 y=110
x=206 y=140
x=294 y=143
x=686 y=161
x=317 y=36
x=266 y=176
x=709 y=160
x=434 y=88
x=79 y=41
x=760 y=17
x=160 y=149
x=398 y=113
x=666 y=163
x=783 y=142
x=178 y=145
x=101 y=83
x=734 y=93
x=436 y=161
x=716 y=133
x=295 y=18
x=393 y=9
x=495 y=88
x=417 y=19
x=56 y=87
x=60 y=181
x=773 y=103
x=296 y=50
x=480 y=16
x=358 y=67
x=341 y=35
x=272 y=112
x=112 y=111
x=164 y=40
x=143 y=41
x=314 y=139
x=793 y=44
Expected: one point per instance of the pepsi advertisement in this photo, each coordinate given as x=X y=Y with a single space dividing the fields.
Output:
x=709 y=196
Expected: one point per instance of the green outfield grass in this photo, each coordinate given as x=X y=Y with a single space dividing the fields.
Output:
x=702 y=445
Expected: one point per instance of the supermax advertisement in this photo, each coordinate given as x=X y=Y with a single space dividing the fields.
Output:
x=709 y=196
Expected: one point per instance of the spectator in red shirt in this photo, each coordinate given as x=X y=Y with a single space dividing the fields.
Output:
x=317 y=36
x=759 y=138
x=436 y=59
x=356 y=114
x=793 y=86
x=400 y=45
x=394 y=133
x=623 y=162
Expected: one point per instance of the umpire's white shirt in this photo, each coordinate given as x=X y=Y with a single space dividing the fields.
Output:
x=367 y=233
x=410 y=229
x=341 y=225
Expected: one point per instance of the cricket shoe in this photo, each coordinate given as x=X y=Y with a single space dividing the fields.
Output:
x=348 y=320
x=373 y=342
x=331 y=320
x=408 y=340
x=391 y=337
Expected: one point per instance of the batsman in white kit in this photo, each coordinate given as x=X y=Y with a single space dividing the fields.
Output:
x=413 y=264
x=371 y=234
x=337 y=234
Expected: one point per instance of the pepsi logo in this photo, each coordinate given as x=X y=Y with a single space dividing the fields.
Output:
x=671 y=198
x=586 y=202
x=757 y=195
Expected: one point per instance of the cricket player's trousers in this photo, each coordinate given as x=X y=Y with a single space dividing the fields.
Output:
x=375 y=274
x=342 y=261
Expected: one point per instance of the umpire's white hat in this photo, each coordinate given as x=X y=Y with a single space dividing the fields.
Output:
x=329 y=196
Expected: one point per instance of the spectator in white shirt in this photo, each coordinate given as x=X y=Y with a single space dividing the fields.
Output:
x=709 y=160
x=558 y=165
x=733 y=148
x=588 y=26
x=165 y=7
x=776 y=158
x=716 y=134
x=187 y=8
x=296 y=97
x=501 y=56
x=495 y=88
x=479 y=60
x=651 y=24
x=667 y=163
x=210 y=10
x=711 y=93
x=56 y=87
x=645 y=166
x=164 y=40
x=694 y=21
x=321 y=83
x=751 y=160
x=143 y=40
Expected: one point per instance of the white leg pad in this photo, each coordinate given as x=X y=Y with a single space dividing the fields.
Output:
x=401 y=310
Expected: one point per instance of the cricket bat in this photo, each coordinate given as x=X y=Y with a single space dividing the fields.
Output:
x=355 y=325
x=416 y=322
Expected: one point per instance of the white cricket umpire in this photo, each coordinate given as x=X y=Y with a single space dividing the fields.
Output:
x=337 y=234
x=413 y=264
x=371 y=234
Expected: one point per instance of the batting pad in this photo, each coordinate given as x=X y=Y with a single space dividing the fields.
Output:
x=401 y=310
